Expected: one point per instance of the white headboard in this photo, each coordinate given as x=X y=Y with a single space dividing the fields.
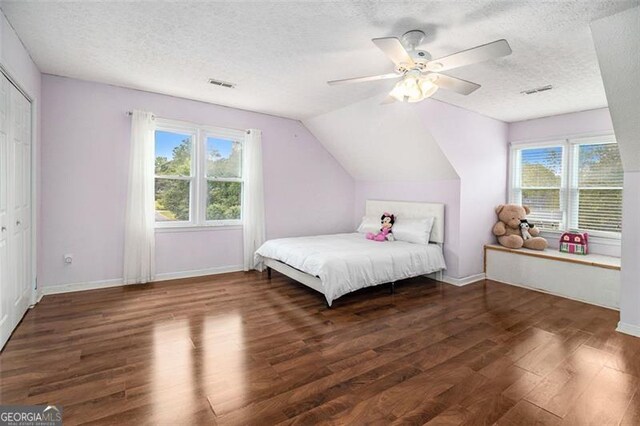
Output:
x=413 y=211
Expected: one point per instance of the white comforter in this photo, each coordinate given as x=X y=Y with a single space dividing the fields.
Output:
x=348 y=262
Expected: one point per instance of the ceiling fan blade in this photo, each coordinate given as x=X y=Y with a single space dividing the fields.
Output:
x=362 y=79
x=454 y=84
x=474 y=55
x=392 y=47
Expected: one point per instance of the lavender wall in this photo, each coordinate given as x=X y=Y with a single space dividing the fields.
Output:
x=307 y=191
x=561 y=127
x=86 y=144
x=618 y=48
x=16 y=60
x=476 y=147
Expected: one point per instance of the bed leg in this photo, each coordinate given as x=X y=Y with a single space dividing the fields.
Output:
x=268 y=273
x=393 y=288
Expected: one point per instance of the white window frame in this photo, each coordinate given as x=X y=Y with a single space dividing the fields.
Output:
x=568 y=187
x=198 y=177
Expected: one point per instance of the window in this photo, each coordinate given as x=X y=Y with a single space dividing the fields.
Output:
x=224 y=179
x=570 y=184
x=597 y=192
x=539 y=184
x=198 y=175
x=174 y=176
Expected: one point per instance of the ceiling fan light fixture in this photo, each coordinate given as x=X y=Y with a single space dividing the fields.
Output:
x=411 y=64
x=414 y=87
x=428 y=86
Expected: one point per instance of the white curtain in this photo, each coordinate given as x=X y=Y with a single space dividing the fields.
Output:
x=139 y=238
x=253 y=198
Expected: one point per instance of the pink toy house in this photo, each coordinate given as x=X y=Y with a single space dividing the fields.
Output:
x=574 y=242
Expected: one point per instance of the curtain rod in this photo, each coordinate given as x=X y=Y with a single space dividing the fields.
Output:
x=130 y=113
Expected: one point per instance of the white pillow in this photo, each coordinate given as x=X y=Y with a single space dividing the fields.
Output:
x=370 y=224
x=415 y=231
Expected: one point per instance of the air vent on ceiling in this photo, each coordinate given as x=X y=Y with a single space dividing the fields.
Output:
x=537 y=89
x=221 y=83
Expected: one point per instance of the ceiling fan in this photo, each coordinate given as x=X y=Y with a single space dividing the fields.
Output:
x=420 y=74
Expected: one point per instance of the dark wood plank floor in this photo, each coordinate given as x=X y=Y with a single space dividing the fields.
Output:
x=239 y=349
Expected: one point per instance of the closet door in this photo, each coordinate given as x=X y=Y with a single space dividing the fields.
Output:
x=15 y=209
x=21 y=200
x=5 y=288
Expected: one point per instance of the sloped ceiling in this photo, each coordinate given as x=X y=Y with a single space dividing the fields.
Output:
x=376 y=142
x=281 y=54
x=617 y=41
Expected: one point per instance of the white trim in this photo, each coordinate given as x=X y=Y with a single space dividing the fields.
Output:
x=34 y=200
x=463 y=281
x=175 y=224
x=603 y=139
x=197 y=272
x=630 y=329
x=547 y=143
x=117 y=282
x=224 y=222
x=204 y=228
x=82 y=286
x=180 y=226
x=9 y=74
x=563 y=137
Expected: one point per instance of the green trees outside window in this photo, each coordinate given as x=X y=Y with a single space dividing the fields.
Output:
x=175 y=177
x=575 y=185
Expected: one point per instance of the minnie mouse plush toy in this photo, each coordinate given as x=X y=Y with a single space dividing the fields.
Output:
x=385 y=233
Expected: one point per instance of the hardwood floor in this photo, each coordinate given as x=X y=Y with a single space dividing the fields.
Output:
x=239 y=349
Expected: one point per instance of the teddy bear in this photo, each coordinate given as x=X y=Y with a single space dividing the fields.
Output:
x=386 y=221
x=509 y=232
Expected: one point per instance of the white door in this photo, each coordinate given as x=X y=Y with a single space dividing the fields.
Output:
x=15 y=207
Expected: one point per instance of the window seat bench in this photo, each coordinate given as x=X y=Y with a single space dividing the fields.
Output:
x=591 y=278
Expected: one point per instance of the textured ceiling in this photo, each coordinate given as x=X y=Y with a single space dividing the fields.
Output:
x=281 y=54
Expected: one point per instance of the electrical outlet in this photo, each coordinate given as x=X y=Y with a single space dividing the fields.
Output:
x=68 y=259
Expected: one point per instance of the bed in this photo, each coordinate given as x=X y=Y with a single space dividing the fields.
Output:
x=337 y=264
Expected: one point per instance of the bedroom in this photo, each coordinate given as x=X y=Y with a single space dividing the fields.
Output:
x=141 y=186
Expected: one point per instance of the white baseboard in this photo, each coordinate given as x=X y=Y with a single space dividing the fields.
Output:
x=68 y=288
x=463 y=281
x=116 y=282
x=633 y=330
x=198 y=272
